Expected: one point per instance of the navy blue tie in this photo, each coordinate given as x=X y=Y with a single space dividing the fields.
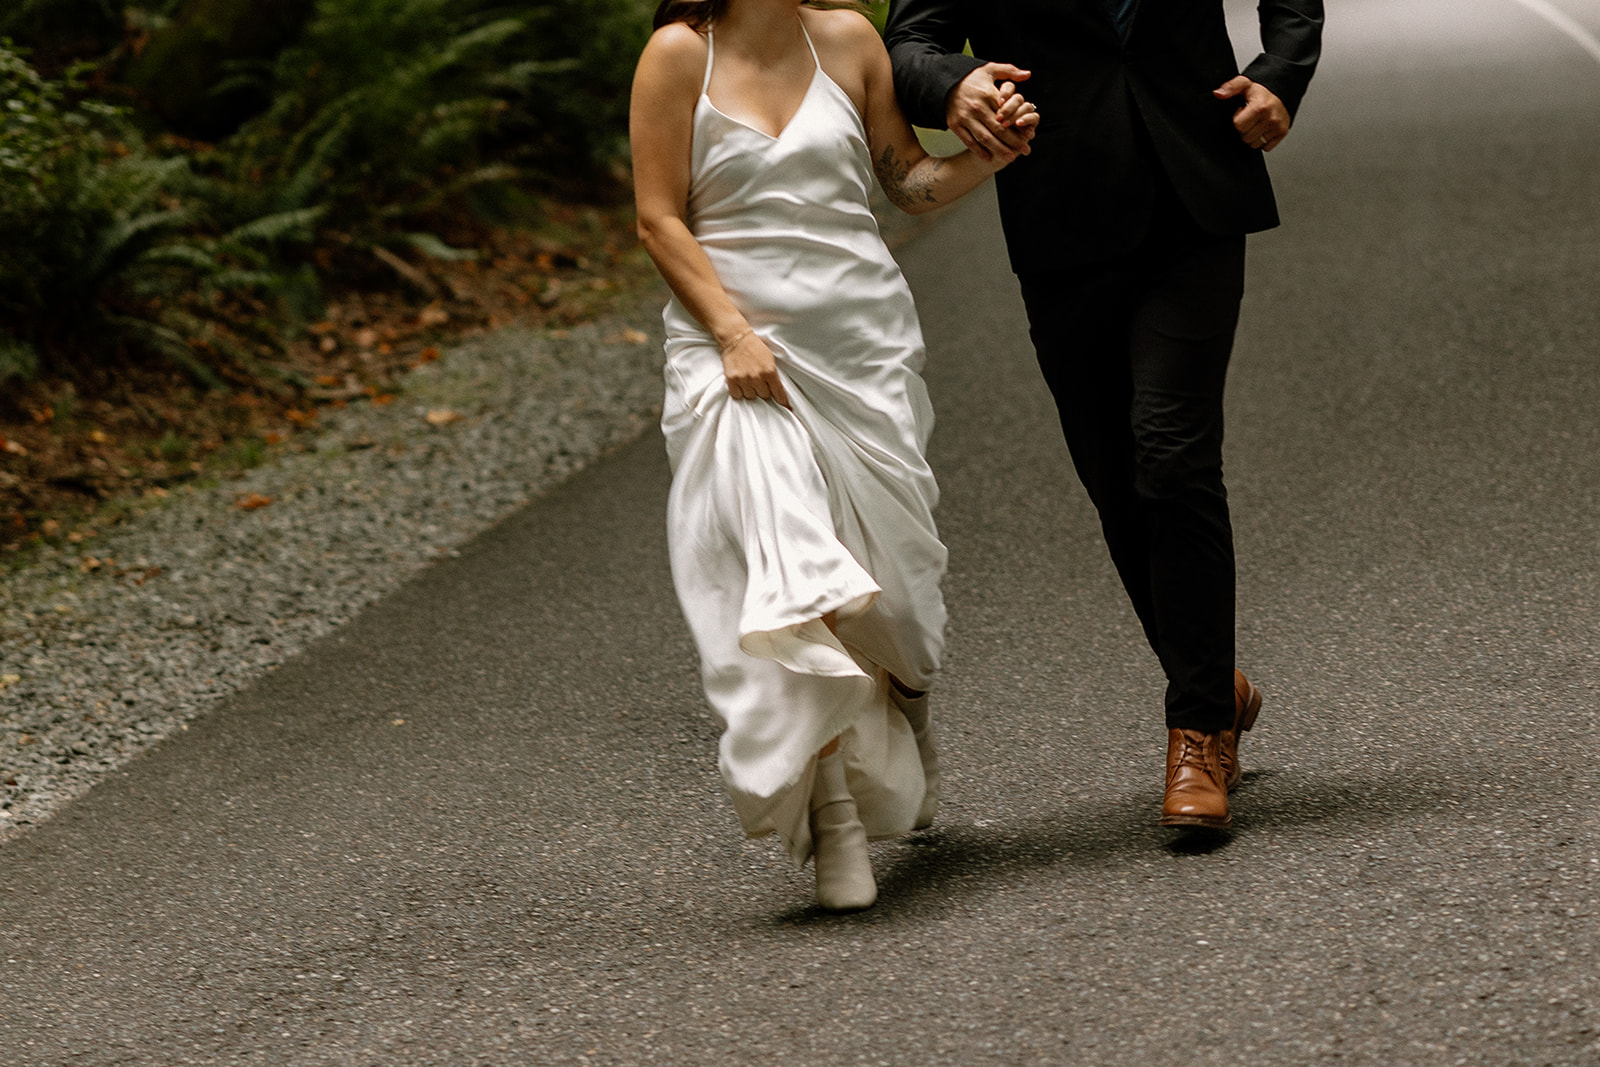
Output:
x=1121 y=14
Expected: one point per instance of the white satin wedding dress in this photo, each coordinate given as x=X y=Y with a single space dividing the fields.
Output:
x=777 y=517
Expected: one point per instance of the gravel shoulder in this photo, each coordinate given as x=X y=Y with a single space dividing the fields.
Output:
x=109 y=647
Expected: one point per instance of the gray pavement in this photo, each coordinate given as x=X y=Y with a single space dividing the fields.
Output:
x=481 y=823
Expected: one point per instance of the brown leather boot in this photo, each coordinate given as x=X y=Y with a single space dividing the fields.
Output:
x=1196 y=792
x=1246 y=706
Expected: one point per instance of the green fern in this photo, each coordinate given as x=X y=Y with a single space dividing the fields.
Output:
x=381 y=114
x=18 y=359
x=292 y=225
x=432 y=247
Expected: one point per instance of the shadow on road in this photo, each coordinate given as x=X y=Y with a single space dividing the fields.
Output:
x=960 y=860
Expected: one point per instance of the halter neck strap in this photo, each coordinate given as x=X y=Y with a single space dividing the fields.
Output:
x=711 y=54
x=814 y=57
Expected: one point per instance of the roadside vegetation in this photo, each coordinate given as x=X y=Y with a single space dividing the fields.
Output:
x=219 y=216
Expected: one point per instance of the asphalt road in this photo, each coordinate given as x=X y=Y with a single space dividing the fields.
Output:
x=482 y=824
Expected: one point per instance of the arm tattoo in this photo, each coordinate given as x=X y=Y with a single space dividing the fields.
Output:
x=905 y=187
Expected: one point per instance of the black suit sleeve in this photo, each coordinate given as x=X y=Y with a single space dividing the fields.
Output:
x=925 y=39
x=1291 y=43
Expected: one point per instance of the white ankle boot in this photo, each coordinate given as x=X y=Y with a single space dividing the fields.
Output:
x=839 y=842
x=915 y=709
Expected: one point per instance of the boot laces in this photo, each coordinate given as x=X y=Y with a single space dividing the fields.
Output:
x=1191 y=753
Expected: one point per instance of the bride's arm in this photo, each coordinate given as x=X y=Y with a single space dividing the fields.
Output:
x=913 y=180
x=666 y=89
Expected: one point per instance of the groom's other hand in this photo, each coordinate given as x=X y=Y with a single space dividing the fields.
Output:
x=973 y=110
x=1262 y=119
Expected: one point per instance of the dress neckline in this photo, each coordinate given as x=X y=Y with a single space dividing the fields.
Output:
x=816 y=74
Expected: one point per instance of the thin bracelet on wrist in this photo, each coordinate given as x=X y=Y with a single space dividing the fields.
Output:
x=740 y=336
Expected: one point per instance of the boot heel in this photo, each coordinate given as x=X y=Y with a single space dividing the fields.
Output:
x=1250 y=696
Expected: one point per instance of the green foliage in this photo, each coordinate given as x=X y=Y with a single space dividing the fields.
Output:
x=17 y=360
x=375 y=100
x=115 y=239
x=97 y=23
x=387 y=108
x=173 y=447
x=79 y=205
x=100 y=241
x=60 y=20
x=198 y=71
x=574 y=120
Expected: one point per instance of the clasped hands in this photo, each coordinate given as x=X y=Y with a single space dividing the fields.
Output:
x=989 y=114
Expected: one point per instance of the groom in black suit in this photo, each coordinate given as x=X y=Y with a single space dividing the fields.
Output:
x=1126 y=230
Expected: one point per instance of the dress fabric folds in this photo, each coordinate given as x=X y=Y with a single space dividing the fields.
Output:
x=777 y=516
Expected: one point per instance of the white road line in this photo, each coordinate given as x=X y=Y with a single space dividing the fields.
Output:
x=1565 y=23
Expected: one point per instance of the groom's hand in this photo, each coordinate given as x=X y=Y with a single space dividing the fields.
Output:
x=1262 y=120
x=974 y=111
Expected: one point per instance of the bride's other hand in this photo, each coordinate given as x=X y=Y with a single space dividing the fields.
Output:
x=1022 y=122
x=1017 y=112
x=751 y=370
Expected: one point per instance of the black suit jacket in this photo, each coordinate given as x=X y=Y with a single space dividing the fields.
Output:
x=1113 y=111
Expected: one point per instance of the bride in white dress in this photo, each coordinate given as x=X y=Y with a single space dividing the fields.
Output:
x=800 y=517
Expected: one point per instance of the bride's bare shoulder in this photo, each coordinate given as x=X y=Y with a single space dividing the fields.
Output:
x=843 y=36
x=676 y=48
x=840 y=26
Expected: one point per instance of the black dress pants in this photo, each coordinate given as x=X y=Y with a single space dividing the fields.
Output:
x=1135 y=351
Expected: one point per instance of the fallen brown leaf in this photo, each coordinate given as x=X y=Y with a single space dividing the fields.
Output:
x=442 y=417
x=251 y=501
